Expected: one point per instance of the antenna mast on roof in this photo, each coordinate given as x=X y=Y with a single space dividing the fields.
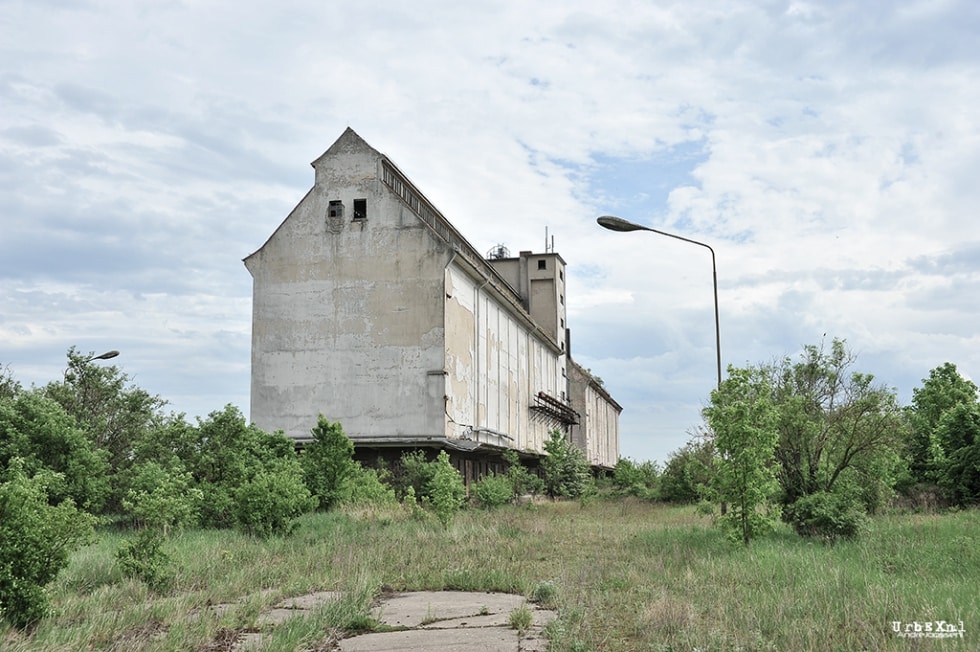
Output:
x=548 y=248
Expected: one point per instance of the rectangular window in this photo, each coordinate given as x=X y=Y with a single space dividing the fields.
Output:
x=542 y=264
x=360 y=209
x=336 y=208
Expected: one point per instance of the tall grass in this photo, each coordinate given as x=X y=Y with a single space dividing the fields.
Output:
x=624 y=575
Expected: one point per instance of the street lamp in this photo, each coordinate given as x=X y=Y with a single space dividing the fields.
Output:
x=108 y=355
x=105 y=356
x=619 y=224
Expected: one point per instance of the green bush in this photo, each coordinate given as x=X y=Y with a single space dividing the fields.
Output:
x=267 y=504
x=445 y=491
x=143 y=558
x=36 y=540
x=566 y=471
x=365 y=487
x=414 y=471
x=161 y=498
x=636 y=479
x=522 y=481
x=328 y=463
x=493 y=490
x=227 y=455
x=45 y=437
x=830 y=516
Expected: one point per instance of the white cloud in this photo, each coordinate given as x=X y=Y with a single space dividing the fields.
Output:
x=828 y=152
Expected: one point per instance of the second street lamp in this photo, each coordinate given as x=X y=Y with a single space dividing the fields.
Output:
x=108 y=355
x=619 y=224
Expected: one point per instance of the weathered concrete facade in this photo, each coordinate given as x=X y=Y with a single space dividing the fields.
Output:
x=371 y=309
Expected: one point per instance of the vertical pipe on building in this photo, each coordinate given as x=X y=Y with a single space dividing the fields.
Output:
x=445 y=338
x=476 y=345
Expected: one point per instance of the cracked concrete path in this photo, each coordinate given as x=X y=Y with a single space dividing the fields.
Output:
x=443 y=621
x=452 y=621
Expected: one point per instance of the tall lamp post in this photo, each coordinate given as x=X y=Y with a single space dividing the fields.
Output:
x=619 y=224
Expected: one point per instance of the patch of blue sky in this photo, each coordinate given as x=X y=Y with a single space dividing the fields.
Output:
x=637 y=188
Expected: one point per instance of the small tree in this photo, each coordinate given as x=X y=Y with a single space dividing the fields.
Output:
x=112 y=413
x=493 y=490
x=522 y=481
x=445 y=490
x=743 y=419
x=958 y=467
x=566 y=471
x=414 y=471
x=143 y=558
x=689 y=470
x=35 y=542
x=943 y=390
x=328 y=463
x=267 y=504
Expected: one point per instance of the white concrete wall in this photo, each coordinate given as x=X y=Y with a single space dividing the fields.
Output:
x=348 y=316
x=496 y=365
x=602 y=431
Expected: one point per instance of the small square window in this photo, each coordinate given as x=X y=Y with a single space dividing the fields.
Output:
x=542 y=264
x=360 y=209
x=336 y=208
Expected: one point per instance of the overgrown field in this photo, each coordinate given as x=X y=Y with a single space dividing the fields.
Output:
x=624 y=574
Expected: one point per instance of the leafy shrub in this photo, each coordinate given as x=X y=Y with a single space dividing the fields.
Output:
x=365 y=487
x=162 y=499
x=228 y=455
x=267 y=504
x=636 y=479
x=493 y=490
x=522 y=481
x=566 y=471
x=414 y=471
x=45 y=437
x=445 y=491
x=143 y=558
x=959 y=465
x=827 y=515
x=328 y=463
x=35 y=542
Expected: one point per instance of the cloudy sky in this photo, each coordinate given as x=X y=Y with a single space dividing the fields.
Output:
x=829 y=152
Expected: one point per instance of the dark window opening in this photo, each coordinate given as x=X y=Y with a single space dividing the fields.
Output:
x=360 y=209
x=542 y=264
x=336 y=208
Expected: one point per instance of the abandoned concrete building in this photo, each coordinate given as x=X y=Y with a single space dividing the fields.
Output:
x=369 y=307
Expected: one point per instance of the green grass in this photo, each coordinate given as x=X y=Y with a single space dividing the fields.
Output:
x=624 y=575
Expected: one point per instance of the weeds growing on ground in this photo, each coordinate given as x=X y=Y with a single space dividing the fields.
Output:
x=624 y=575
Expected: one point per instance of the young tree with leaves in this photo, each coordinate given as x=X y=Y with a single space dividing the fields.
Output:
x=567 y=473
x=743 y=420
x=942 y=391
x=839 y=430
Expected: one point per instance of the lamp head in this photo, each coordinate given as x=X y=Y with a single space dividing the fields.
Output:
x=619 y=224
